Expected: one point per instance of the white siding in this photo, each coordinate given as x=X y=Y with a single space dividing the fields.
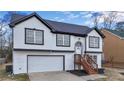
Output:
x=20 y=57
x=49 y=38
x=94 y=33
x=20 y=60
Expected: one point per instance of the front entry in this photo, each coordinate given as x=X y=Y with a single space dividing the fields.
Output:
x=78 y=48
x=78 y=52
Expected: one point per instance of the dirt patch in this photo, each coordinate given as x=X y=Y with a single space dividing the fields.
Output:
x=114 y=65
x=4 y=76
x=112 y=74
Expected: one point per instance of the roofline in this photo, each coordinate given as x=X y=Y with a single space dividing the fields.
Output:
x=12 y=24
x=99 y=32
x=29 y=16
x=114 y=34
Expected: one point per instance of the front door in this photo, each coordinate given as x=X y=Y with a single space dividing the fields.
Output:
x=78 y=48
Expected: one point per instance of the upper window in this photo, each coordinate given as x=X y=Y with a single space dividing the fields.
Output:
x=93 y=42
x=33 y=36
x=62 y=40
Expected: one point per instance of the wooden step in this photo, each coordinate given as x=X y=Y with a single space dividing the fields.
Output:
x=87 y=66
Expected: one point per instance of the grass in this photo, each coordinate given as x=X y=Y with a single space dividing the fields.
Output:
x=4 y=76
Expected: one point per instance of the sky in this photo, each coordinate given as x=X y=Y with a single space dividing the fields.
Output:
x=74 y=17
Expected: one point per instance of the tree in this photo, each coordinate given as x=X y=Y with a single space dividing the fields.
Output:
x=109 y=19
x=96 y=18
x=3 y=31
x=6 y=35
x=2 y=44
x=105 y=20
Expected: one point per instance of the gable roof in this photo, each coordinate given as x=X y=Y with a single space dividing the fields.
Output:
x=55 y=27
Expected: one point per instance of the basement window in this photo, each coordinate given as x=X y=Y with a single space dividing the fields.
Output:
x=94 y=58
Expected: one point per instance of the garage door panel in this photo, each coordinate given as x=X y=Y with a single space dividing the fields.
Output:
x=45 y=63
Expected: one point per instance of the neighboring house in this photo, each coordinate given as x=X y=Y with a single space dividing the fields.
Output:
x=41 y=45
x=114 y=47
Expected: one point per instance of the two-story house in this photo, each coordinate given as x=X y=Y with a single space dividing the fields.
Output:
x=41 y=45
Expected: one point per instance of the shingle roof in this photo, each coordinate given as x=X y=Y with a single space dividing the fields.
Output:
x=56 y=27
x=15 y=17
x=118 y=33
x=70 y=28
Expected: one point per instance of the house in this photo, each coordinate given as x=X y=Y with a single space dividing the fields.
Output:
x=41 y=45
x=114 y=48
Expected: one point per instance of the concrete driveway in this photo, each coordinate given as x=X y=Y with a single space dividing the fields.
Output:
x=54 y=76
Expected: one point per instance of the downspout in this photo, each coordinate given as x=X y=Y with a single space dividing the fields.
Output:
x=12 y=47
x=85 y=44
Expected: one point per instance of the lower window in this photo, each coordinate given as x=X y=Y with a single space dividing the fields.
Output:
x=94 y=57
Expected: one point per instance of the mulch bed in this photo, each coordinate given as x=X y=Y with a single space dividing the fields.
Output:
x=78 y=72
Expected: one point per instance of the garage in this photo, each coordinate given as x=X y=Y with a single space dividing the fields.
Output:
x=43 y=63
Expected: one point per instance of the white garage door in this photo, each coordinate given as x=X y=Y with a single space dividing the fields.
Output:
x=45 y=63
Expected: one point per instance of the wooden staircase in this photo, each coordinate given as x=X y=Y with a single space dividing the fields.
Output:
x=89 y=65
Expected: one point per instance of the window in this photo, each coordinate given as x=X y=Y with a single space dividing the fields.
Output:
x=62 y=40
x=33 y=36
x=93 y=42
x=94 y=57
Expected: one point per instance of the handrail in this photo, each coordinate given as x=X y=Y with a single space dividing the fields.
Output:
x=86 y=65
x=92 y=62
x=89 y=64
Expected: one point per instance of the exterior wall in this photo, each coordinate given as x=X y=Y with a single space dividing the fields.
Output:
x=20 y=57
x=94 y=33
x=113 y=48
x=20 y=60
x=49 y=37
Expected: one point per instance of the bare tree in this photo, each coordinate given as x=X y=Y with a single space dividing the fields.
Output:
x=3 y=26
x=96 y=21
x=3 y=31
x=109 y=20
x=95 y=17
x=6 y=32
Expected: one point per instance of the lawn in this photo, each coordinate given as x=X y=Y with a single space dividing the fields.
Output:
x=4 y=76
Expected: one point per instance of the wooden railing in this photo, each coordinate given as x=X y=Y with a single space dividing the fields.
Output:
x=91 y=62
x=89 y=65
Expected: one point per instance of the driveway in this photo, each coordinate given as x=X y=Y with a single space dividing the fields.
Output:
x=54 y=76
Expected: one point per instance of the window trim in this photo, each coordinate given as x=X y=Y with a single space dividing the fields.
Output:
x=63 y=45
x=98 y=42
x=36 y=30
x=92 y=56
